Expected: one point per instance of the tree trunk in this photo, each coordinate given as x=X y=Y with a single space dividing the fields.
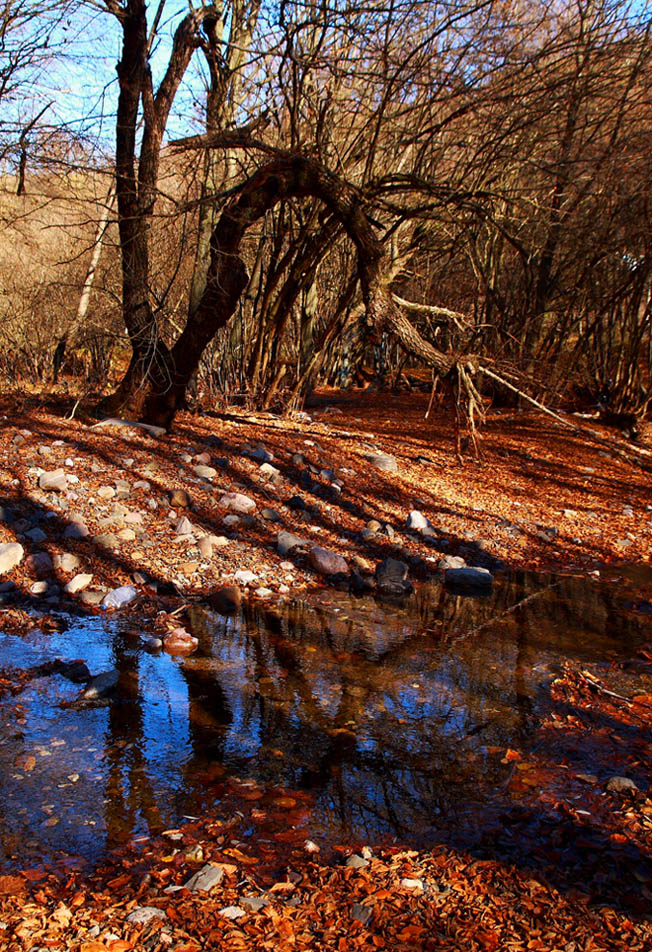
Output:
x=155 y=382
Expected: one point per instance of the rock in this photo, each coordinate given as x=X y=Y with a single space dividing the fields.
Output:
x=149 y=428
x=78 y=583
x=254 y=903
x=297 y=503
x=356 y=862
x=374 y=526
x=66 y=562
x=286 y=543
x=244 y=577
x=127 y=535
x=382 y=461
x=11 y=555
x=150 y=641
x=101 y=685
x=205 y=547
x=180 y=642
x=361 y=913
x=271 y=515
x=107 y=539
x=237 y=502
x=106 y=492
x=180 y=499
x=76 y=529
x=622 y=785
x=451 y=562
x=54 y=481
x=36 y=535
x=391 y=577
x=92 y=597
x=122 y=488
x=327 y=562
x=119 y=597
x=232 y=912
x=38 y=588
x=183 y=527
x=412 y=883
x=203 y=471
x=231 y=520
x=144 y=914
x=204 y=880
x=261 y=455
x=226 y=600
x=269 y=471
x=469 y=579
x=263 y=592
x=417 y=521
x=40 y=562
x=75 y=671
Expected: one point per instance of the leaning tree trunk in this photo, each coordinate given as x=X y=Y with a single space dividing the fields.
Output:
x=161 y=392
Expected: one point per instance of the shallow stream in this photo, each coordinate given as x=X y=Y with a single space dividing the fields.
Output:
x=389 y=715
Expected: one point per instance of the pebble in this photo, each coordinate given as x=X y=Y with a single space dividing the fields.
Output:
x=183 y=527
x=622 y=785
x=204 y=880
x=245 y=577
x=78 y=583
x=286 y=542
x=144 y=914
x=327 y=562
x=238 y=502
x=204 y=472
x=180 y=499
x=205 y=547
x=120 y=596
x=53 y=481
x=232 y=912
x=356 y=862
x=417 y=521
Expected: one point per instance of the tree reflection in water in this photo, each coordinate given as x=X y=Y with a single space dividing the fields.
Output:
x=388 y=713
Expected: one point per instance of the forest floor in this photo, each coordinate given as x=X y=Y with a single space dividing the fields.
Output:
x=540 y=496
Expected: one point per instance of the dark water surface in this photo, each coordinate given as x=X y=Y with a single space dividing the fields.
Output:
x=390 y=715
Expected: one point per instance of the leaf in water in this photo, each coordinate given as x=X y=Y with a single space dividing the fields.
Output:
x=29 y=763
x=510 y=756
x=53 y=821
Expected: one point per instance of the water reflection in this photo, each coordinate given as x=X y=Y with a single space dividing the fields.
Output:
x=388 y=714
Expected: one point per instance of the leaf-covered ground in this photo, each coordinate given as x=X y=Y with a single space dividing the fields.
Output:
x=570 y=871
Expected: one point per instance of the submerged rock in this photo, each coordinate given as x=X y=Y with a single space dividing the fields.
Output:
x=101 y=685
x=180 y=642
